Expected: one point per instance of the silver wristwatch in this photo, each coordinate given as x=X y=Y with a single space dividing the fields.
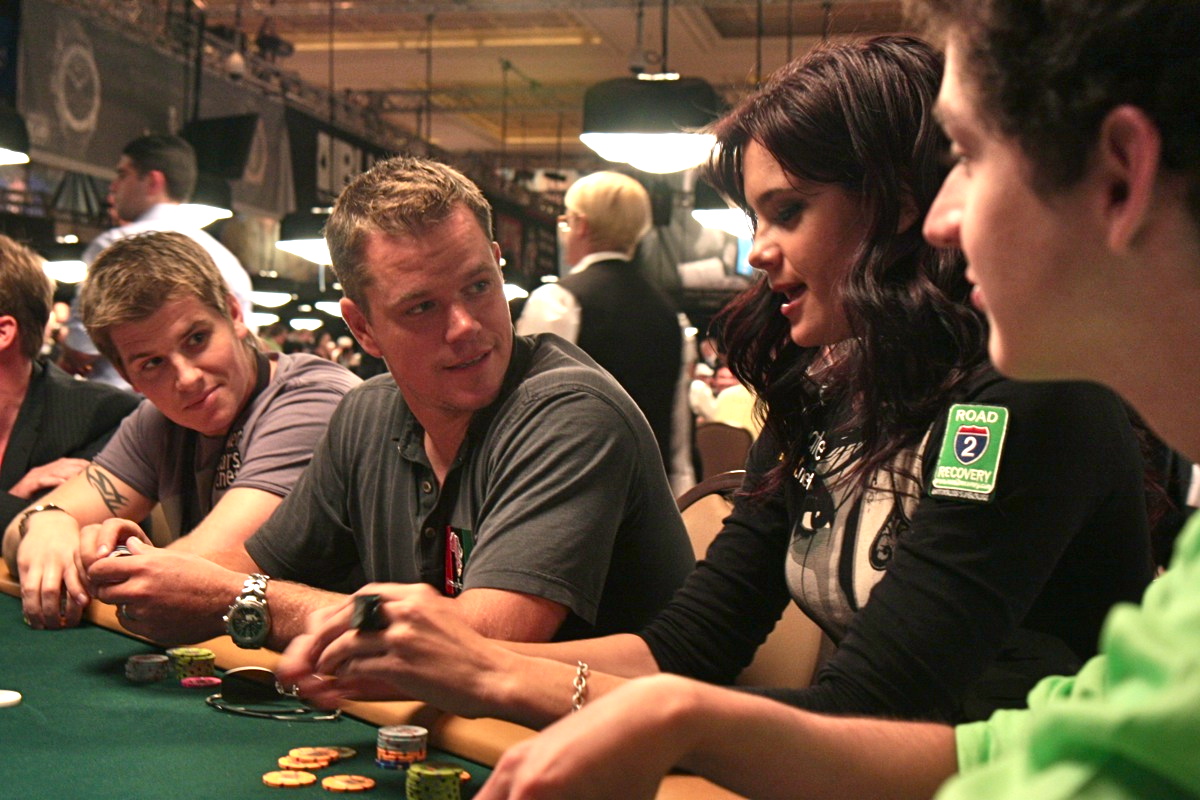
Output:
x=248 y=620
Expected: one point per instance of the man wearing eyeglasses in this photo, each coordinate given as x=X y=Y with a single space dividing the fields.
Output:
x=614 y=314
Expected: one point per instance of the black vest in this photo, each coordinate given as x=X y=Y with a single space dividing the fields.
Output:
x=632 y=330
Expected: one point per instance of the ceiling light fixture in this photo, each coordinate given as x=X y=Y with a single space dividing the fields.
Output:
x=64 y=260
x=331 y=307
x=267 y=299
x=261 y=319
x=305 y=323
x=648 y=121
x=212 y=200
x=301 y=233
x=710 y=210
x=14 y=137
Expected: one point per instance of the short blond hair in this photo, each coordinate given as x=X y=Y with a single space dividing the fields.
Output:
x=402 y=196
x=25 y=294
x=134 y=277
x=617 y=208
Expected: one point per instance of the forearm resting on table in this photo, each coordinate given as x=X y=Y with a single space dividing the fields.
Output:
x=291 y=604
x=624 y=654
x=764 y=749
x=538 y=688
x=91 y=496
x=536 y=692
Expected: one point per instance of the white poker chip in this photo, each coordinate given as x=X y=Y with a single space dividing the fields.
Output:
x=9 y=698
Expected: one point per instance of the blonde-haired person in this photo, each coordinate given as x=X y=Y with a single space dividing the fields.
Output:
x=51 y=424
x=225 y=433
x=607 y=307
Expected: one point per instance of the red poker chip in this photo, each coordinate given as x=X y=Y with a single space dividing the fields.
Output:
x=200 y=682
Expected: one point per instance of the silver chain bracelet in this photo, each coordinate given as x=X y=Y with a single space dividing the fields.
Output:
x=580 y=684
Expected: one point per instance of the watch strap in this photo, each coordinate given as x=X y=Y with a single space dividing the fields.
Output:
x=255 y=586
x=23 y=523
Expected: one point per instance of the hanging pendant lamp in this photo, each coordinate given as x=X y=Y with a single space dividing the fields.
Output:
x=14 y=137
x=649 y=121
x=710 y=210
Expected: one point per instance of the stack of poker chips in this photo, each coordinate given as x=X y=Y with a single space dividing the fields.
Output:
x=147 y=667
x=397 y=746
x=187 y=662
x=432 y=782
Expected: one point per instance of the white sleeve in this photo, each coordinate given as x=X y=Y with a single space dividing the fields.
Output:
x=1193 y=496
x=680 y=471
x=550 y=309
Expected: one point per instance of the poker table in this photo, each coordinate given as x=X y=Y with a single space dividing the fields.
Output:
x=84 y=730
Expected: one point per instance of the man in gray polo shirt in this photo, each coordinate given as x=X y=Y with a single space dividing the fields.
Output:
x=509 y=472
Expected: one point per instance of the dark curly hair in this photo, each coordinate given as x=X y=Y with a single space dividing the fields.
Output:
x=1047 y=72
x=858 y=116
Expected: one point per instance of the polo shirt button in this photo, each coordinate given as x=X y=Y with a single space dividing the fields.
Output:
x=428 y=533
x=426 y=487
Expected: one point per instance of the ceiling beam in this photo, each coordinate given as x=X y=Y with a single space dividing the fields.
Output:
x=319 y=8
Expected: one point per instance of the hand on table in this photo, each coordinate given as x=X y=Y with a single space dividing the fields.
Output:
x=47 y=476
x=166 y=595
x=622 y=739
x=53 y=594
x=427 y=651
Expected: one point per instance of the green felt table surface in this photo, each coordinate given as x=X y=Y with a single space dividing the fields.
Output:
x=83 y=731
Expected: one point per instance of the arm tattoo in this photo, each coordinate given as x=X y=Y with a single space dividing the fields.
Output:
x=103 y=484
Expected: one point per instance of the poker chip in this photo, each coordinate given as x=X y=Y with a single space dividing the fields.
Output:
x=292 y=762
x=399 y=745
x=347 y=783
x=326 y=753
x=120 y=550
x=344 y=752
x=200 y=682
x=9 y=698
x=289 y=778
x=189 y=662
x=433 y=782
x=463 y=774
x=147 y=667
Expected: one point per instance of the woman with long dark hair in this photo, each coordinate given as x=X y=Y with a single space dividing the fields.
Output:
x=956 y=534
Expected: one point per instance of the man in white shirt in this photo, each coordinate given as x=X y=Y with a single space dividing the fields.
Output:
x=155 y=175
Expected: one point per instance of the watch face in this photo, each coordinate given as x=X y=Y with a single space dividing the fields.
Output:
x=248 y=623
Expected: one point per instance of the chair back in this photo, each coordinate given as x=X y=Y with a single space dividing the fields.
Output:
x=789 y=656
x=722 y=447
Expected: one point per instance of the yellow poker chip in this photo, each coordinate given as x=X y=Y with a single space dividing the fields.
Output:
x=344 y=752
x=348 y=783
x=327 y=753
x=291 y=762
x=289 y=778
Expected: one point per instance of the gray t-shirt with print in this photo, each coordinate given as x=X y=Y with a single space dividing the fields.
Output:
x=268 y=452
